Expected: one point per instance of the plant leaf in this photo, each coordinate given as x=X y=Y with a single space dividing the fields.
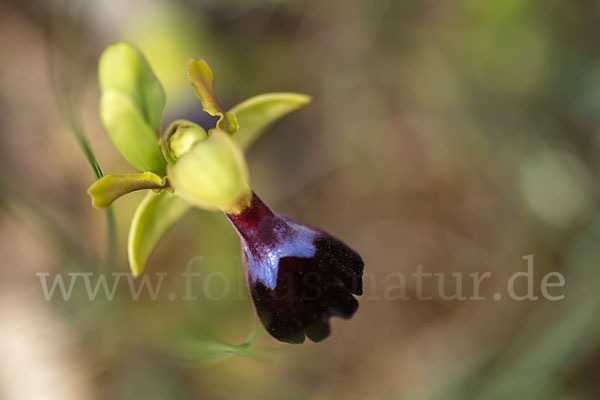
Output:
x=110 y=187
x=202 y=79
x=131 y=135
x=257 y=113
x=131 y=106
x=207 y=350
x=153 y=217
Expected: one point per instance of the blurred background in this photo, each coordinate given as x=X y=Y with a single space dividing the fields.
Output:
x=457 y=135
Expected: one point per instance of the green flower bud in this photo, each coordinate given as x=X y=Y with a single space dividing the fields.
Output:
x=179 y=138
x=212 y=174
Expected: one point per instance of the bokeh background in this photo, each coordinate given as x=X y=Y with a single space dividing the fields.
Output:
x=456 y=135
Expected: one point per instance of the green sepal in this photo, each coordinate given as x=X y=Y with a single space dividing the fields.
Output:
x=202 y=80
x=257 y=113
x=213 y=174
x=110 y=187
x=152 y=219
x=131 y=106
x=123 y=68
x=130 y=134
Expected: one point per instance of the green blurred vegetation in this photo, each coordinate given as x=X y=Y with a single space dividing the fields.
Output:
x=460 y=136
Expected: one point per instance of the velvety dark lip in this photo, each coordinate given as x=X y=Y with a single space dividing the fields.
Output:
x=299 y=276
x=308 y=293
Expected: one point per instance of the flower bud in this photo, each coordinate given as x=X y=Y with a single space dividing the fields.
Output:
x=212 y=174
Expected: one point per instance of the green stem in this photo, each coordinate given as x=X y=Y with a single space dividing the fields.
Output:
x=112 y=236
x=65 y=101
x=89 y=155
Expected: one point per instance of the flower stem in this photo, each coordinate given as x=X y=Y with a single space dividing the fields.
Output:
x=65 y=101
x=110 y=212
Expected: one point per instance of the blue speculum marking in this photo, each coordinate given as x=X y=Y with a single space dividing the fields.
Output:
x=264 y=266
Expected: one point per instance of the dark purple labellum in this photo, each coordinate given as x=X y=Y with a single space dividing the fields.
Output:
x=298 y=276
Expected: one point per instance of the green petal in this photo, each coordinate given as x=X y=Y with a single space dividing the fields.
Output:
x=201 y=78
x=257 y=113
x=179 y=137
x=110 y=187
x=153 y=217
x=129 y=132
x=122 y=68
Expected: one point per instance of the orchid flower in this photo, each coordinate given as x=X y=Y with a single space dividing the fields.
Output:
x=298 y=275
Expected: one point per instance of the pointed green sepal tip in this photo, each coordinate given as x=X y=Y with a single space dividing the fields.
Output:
x=213 y=174
x=202 y=80
x=152 y=219
x=110 y=187
x=257 y=113
x=131 y=106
